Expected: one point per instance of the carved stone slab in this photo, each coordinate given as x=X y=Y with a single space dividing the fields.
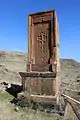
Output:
x=42 y=41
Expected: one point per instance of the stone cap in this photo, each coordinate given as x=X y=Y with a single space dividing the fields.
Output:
x=38 y=74
x=47 y=11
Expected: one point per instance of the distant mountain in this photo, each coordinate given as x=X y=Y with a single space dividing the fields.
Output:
x=10 y=65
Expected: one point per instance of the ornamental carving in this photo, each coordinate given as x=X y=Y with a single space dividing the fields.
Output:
x=42 y=38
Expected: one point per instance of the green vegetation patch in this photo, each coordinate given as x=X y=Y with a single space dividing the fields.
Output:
x=5 y=96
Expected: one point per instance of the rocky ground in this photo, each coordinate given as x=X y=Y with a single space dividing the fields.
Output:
x=11 y=63
x=70 y=76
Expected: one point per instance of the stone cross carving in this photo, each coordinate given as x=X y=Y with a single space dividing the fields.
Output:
x=42 y=37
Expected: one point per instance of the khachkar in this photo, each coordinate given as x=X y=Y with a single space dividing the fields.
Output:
x=41 y=81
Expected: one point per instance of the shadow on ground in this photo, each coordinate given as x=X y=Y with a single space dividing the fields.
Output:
x=44 y=107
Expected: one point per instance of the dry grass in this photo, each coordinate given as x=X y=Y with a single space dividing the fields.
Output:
x=9 y=111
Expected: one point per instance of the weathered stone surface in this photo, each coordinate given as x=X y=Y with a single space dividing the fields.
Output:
x=38 y=74
x=39 y=84
x=42 y=75
x=43 y=52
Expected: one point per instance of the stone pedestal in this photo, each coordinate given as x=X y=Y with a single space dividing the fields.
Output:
x=40 y=86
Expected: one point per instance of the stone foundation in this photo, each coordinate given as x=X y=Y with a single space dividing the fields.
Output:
x=40 y=86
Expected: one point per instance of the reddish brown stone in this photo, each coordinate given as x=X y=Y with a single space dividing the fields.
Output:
x=43 y=42
x=41 y=80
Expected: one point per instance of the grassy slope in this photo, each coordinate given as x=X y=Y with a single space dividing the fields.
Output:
x=10 y=112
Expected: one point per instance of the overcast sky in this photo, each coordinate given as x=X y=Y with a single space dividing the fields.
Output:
x=14 y=24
